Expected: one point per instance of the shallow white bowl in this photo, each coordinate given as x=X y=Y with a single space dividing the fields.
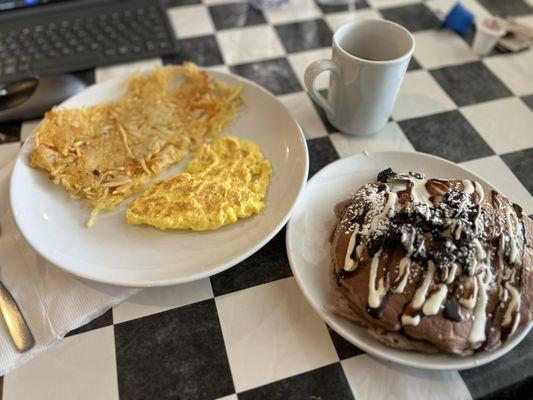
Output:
x=308 y=247
x=115 y=252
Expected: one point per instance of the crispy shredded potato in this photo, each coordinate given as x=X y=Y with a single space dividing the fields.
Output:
x=107 y=152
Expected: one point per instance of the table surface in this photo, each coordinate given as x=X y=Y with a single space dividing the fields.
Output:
x=248 y=333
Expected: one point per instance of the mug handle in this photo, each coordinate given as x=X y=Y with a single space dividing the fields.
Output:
x=311 y=73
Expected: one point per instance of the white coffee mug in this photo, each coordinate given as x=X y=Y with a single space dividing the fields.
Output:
x=369 y=60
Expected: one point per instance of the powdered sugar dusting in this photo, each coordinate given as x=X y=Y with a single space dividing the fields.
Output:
x=440 y=223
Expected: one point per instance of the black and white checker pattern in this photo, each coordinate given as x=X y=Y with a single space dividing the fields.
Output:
x=248 y=333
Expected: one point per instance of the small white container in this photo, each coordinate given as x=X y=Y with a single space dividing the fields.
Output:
x=488 y=32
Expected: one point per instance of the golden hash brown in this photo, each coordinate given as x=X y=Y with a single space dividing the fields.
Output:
x=225 y=180
x=107 y=152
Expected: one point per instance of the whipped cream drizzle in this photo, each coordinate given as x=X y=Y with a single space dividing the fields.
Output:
x=431 y=294
x=477 y=332
x=420 y=297
x=404 y=269
x=349 y=262
x=435 y=299
x=470 y=298
x=375 y=294
x=452 y=270
x=468 y=187
x=512 y=241
x=480 y=192
x=419 y=192
x=512 y=308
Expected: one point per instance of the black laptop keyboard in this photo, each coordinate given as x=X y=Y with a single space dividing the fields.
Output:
x=84 y=41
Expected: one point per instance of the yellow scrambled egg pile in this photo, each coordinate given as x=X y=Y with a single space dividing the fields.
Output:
x=226 y=180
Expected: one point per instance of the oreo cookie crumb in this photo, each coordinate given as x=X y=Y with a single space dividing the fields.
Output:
x=384 y=175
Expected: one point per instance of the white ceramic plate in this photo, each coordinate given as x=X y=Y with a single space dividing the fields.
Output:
x=308 y=247
x=115 y=252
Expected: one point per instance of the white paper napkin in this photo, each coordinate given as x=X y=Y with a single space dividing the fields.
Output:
x=52 y=301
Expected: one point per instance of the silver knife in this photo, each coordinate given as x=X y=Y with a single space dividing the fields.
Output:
x=15 y=322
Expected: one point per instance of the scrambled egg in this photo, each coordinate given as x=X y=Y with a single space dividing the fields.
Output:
x=225 y=180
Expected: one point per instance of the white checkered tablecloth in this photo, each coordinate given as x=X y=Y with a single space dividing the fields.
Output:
x=248 y=333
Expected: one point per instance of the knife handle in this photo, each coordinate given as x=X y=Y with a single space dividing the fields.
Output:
x=16 y=324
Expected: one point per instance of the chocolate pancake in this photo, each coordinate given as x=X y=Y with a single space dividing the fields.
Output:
x=432 y=264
